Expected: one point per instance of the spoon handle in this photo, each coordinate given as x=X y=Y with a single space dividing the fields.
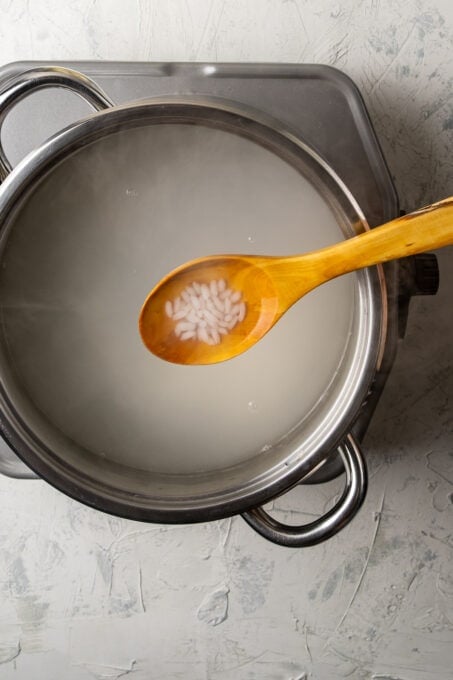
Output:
x=425 y=229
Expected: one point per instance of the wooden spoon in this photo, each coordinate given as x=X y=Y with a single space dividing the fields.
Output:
x=269 y=286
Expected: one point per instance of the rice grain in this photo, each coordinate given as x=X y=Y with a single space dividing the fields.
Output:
x=206 y=312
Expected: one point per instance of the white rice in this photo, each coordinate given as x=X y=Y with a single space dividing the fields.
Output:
x=206 y=312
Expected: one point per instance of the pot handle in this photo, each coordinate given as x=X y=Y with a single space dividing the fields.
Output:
x=329 y=524
x=22 y=84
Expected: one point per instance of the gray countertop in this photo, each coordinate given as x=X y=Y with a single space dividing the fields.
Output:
x=85 y=595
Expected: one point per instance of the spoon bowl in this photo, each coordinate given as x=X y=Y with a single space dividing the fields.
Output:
x=267 y=287
x=242 y=273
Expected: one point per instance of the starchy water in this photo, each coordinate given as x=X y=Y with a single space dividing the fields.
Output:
x=99 y=232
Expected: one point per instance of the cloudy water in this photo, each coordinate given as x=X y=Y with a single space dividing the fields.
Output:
x=99 y=233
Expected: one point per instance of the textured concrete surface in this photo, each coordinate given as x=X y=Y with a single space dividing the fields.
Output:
x=84 y=595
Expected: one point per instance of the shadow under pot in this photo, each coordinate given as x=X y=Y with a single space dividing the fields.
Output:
x=90 y=222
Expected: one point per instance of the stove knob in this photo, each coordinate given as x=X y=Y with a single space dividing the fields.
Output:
x=417 y=275
x=426 y=274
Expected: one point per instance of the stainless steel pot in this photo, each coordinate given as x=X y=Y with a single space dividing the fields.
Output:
x=241 y=488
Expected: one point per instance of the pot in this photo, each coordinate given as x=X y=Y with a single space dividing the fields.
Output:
x=89 y=221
